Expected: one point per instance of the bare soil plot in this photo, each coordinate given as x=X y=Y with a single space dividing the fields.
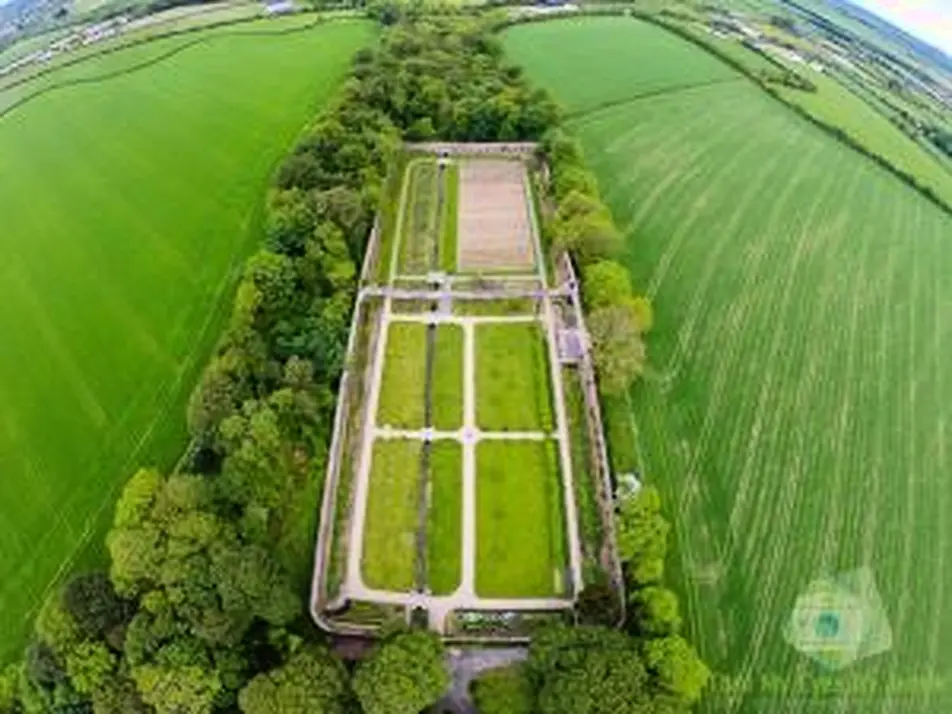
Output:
x=495 y=233
x=520 y=548
x=389 y=545
x=513 y=390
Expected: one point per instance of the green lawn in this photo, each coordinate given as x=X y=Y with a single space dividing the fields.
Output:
x=449 y=225
x=404 y=374
x=512 y=378
x=589 y=520
x=796 y=408
x=420 y=219
x=448 y=378
x=445 y=521
x=389 y=547
x=520 y=549
x=128 y=207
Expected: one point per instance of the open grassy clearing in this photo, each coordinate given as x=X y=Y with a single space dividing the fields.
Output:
x=115 y=299
x=420 y=217
x=444 y=535
x=520 y=548
x=589 y=521
x=512 y=378
x=495 y=308
x=389 y=547
x=797 y=405
x=448 y=378
x=402 y=397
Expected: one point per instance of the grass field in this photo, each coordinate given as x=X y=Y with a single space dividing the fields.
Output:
x=404 y=377
x=389 y=545
x=797 y=406
x=128 y=207
x=512 y=378
x=520 y=550
x=448 y=378
x=444 y=535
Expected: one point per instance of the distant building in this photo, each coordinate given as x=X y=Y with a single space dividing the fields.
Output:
x=279 y=7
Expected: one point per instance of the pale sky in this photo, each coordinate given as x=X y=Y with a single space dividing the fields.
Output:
x=930 y=20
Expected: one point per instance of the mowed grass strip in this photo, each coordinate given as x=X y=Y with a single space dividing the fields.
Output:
x=419 y=217
x=404 y=373
x=448 y=378
x=389 y=547
x=449 y=221
x=444 y=536
x=520 y=548
x=128 y=207
x=513 y=390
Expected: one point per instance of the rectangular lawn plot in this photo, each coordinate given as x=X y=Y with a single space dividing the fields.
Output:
x=404 y=371
x=445 y=520
x=520 y=550
x=392 y=507
x=448 y=378
x=513 y=390
x=420 y=217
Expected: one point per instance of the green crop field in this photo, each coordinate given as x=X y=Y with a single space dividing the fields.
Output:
x=797 y=407
x=127 y=209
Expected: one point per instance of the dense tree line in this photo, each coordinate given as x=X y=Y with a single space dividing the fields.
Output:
x=202 y=607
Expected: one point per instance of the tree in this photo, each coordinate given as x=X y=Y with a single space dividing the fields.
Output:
x=583 y=226
x=89 y=665
x=606 y=283
x=644 y=314
x=96 y=608
x=405 y=674
x=178 y=689
x=8 y=689
x=598 y=604
x=506 y=690
x=617 y=347
x=677 y=668
x=655 y=611
x=311 y=682
x=588 y=670
x=643 y=536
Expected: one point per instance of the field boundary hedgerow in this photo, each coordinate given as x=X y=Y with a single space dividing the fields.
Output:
x=318 y=21
x=834 y=131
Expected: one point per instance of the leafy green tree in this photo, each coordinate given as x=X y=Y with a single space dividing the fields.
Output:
x=598 y=604
x=677 y=668
x=8 y=689
x=311 y=682
x=506 y=690
x=643 y=536
x=90 y=665
x=588 y=670
x=405 y=675
x=96 y=608
x=655 y=611
x=617 y=347
x=606 y=283
x=583 y=226
x=177 y=689
x=644 y=314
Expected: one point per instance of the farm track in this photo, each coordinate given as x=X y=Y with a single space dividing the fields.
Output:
x=796 y=411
